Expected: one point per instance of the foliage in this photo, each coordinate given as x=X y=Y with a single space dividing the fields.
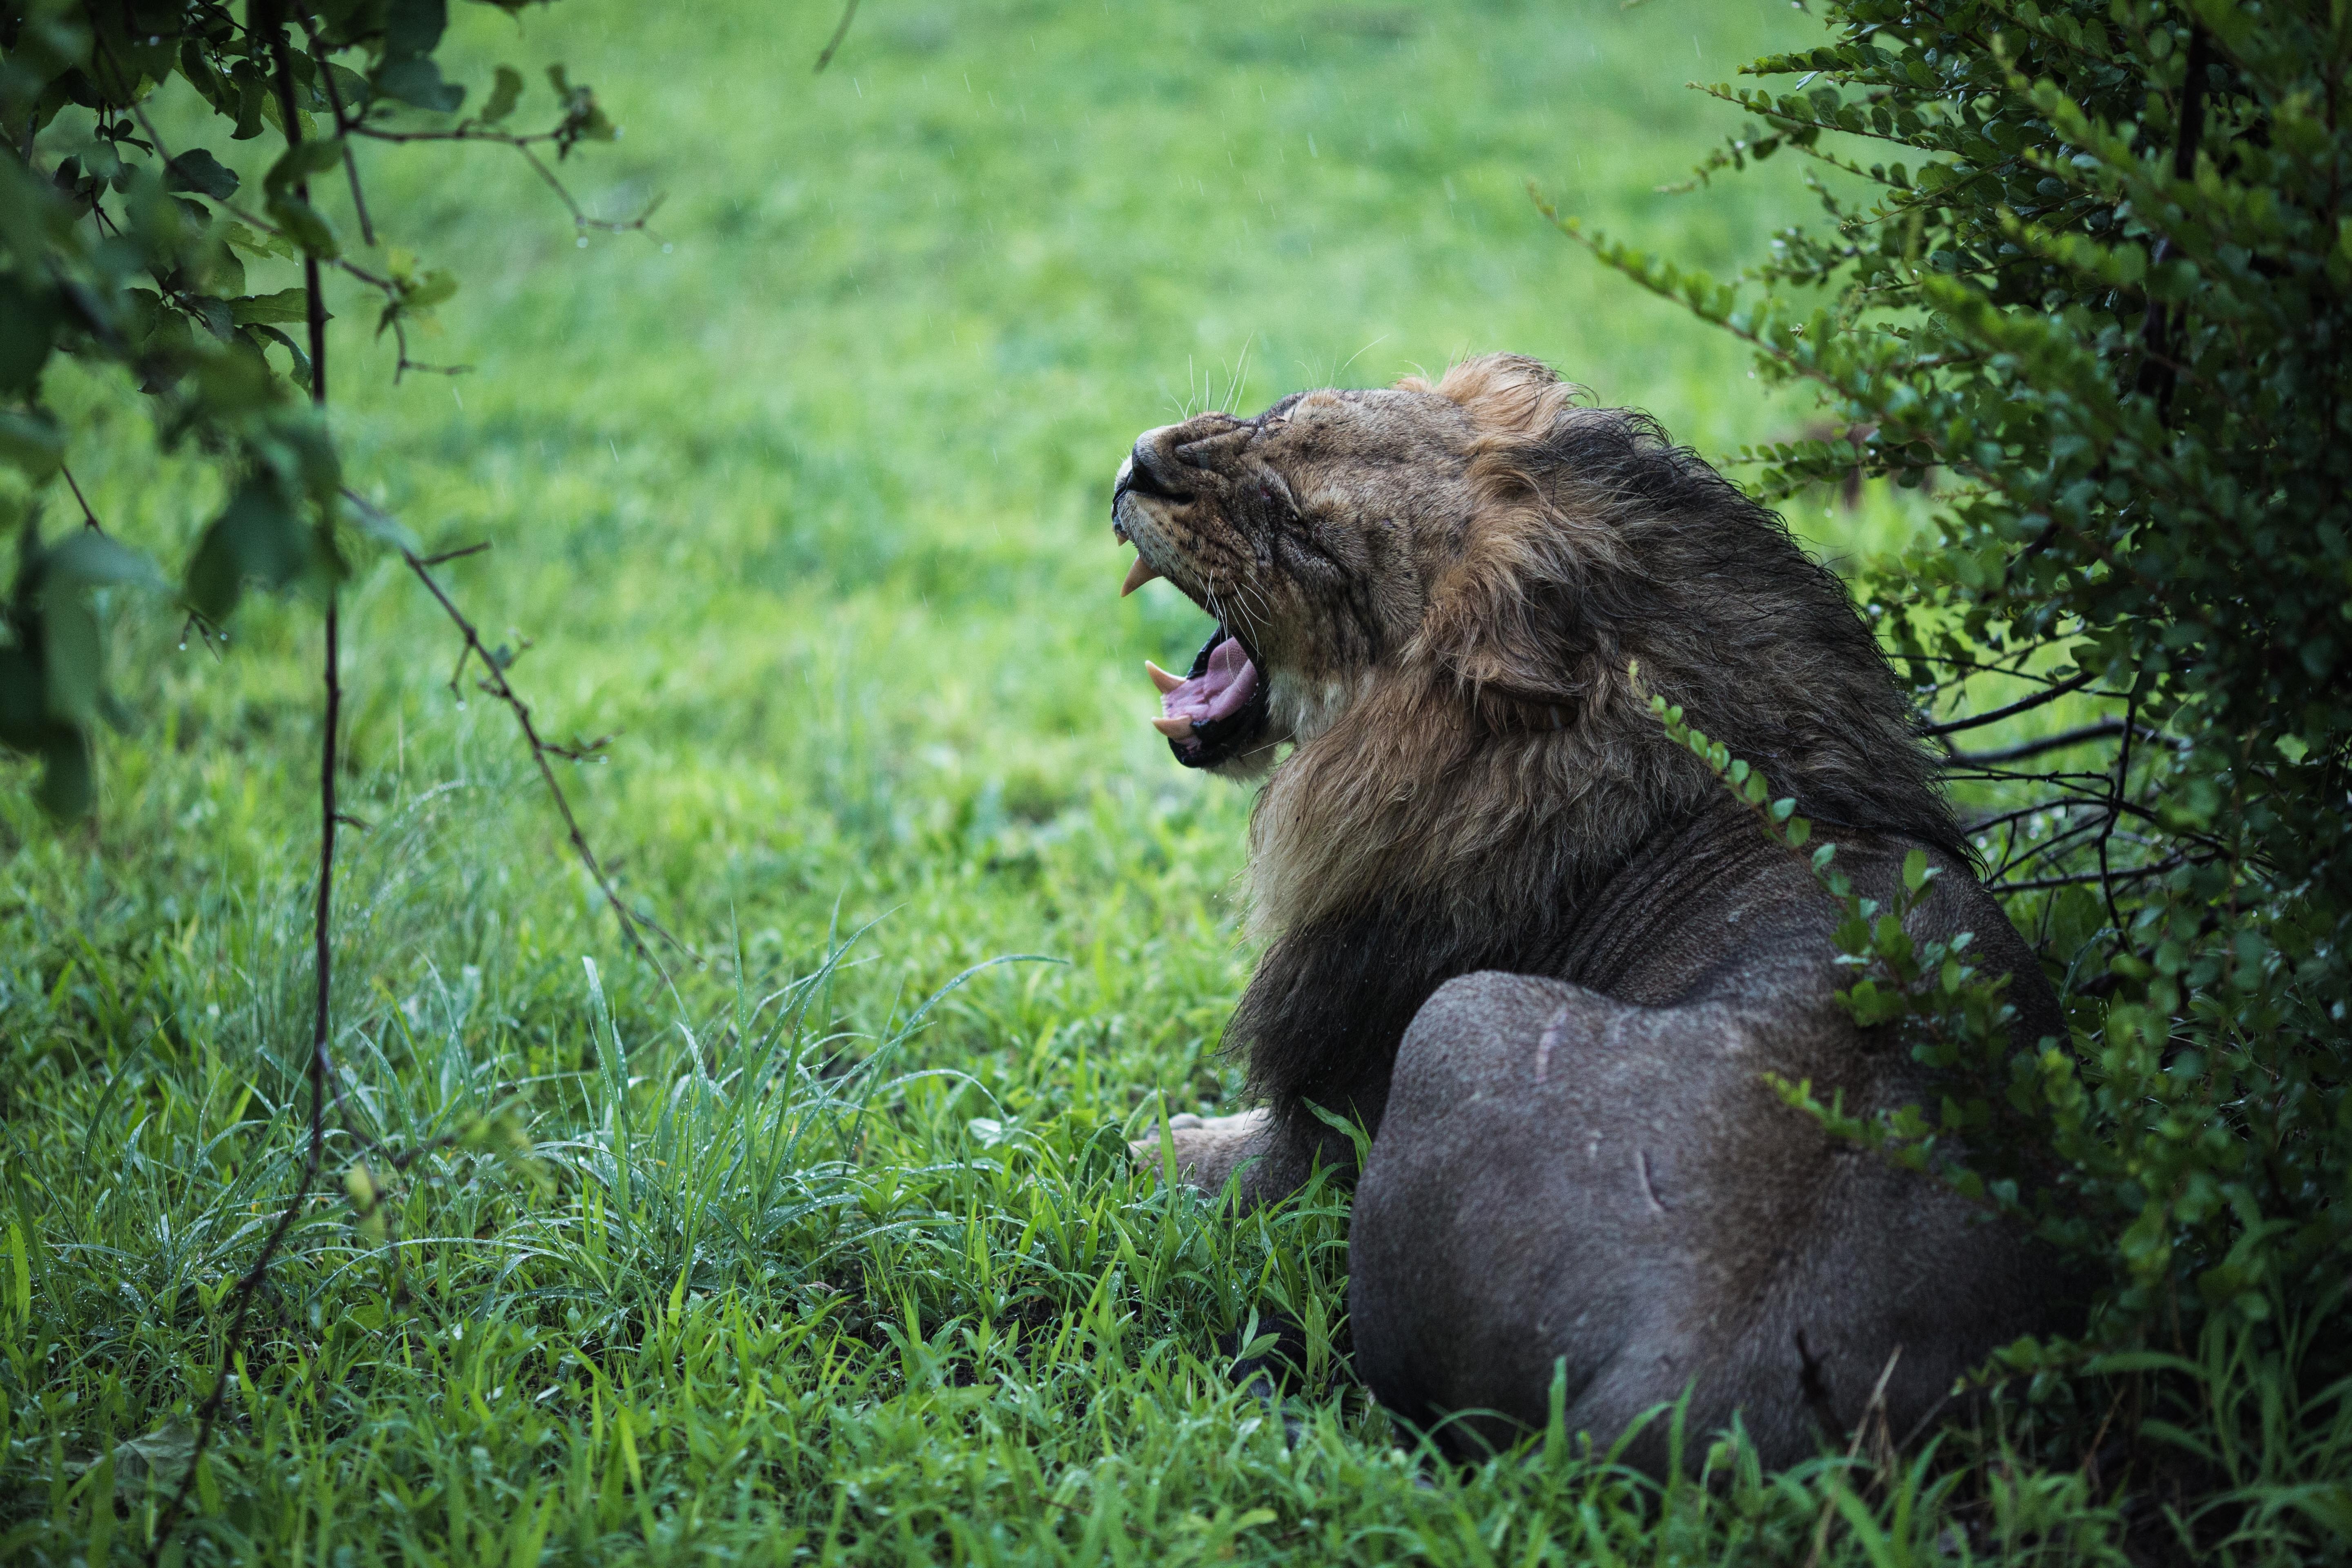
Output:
x=132 y=251
x=2100 y=312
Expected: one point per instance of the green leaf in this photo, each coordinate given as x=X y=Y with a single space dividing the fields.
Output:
x=197 y=170
x=415 y=26
x=32 y=443
x=67 y=788
x=504 y=95
x=286 y=305
x=301 y=160
x=89 y=556
x=28 y=319
x=306 y=226
x=294 y=350
x=256 y=537
x=418 y=80
x=69 y=658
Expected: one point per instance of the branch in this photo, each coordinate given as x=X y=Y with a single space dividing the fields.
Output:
x=2023 y=704
x=2024 y=749
x=495 y=682
x=323 y=917
x=840 y=32
x=89 y=518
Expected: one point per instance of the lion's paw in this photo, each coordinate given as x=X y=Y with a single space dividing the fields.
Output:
x=1207 y=1150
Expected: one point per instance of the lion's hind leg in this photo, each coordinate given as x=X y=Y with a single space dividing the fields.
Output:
x=1528 y=1205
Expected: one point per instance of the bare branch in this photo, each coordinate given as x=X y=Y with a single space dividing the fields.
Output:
x=2023 y=704
x=89 y=518
x=2105 y=729
x=494 y=681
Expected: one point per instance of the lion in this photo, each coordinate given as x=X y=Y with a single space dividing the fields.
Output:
x=1532 y=946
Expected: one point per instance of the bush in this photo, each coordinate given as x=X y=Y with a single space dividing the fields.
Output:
x=2094 y=298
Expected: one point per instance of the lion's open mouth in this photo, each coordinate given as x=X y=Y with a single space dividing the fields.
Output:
x=1217 y=709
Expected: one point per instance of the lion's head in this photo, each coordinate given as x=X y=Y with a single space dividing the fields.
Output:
x=1436 y=594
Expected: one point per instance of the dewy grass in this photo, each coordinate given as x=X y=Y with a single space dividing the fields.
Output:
x=804 y=495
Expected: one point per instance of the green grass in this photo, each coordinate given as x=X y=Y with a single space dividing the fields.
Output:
x=818 y=1253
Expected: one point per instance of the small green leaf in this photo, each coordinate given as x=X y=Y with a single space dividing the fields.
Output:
x=503 y=97
x=286 y=305
x=306 y=226
x=197 y=170
x=65 y=789
x=256 y=537
x=32 y=443
x=301 y=160
x=416 y=79
x=86 y=555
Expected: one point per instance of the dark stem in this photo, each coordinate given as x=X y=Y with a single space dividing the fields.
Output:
x=249 y=1285
x=2024 y=749
x=840 y=32
x=89 y=518
x=2023 y=704
x=2158 y=325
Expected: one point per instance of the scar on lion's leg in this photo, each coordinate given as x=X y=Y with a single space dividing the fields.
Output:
x=1546 y=1040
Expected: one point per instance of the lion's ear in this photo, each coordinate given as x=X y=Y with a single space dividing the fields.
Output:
x=1513 y=618
x=1509 y=623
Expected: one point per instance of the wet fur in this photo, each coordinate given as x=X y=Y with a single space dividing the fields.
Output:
x=1464 y=595
x=1429 y=829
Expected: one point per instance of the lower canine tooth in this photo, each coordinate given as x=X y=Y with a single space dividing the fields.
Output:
x=1174 y=728
x=1161 y=678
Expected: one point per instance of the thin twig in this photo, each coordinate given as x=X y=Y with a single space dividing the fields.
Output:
x=322 y=927
x=840 y=31
x=2103 y=730
x=89 y=518
x=2022 y=705
x=342 y=130
x=2085 y=879
x=495 y=682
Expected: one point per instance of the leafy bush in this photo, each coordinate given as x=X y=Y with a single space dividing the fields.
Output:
x=2094 y=297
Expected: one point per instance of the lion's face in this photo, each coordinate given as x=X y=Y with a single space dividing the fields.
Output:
x=1314 y=533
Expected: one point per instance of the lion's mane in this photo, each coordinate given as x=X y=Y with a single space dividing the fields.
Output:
x=1497 y=770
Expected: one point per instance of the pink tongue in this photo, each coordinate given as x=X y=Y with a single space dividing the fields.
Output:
x=1218 y=691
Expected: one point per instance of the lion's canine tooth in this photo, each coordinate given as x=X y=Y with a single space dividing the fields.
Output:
x=1161 y=678
x=1139 y=574
x=1174 y=728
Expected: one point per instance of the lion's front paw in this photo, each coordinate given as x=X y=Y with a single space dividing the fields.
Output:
x=1207 y=1150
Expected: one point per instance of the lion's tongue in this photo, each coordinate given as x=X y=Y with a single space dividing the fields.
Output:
x=1218 y=691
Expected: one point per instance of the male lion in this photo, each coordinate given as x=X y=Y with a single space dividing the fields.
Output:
x=1532 y=943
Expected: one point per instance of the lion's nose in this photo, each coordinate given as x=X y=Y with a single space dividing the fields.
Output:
x=1151 y=469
